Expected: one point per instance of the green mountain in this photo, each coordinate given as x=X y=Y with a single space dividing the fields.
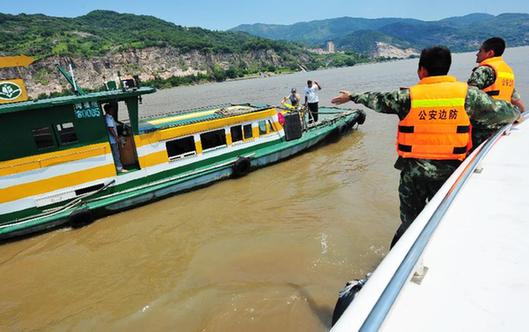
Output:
x=459 y=33
x=315 y=33
x=104 y=43
x=464 y=33
x=102 y=31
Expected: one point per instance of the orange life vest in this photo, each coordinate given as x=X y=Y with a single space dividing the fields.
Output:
x=503 y=86
x=437 y=126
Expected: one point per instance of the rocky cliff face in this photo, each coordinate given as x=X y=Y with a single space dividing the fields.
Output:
x=391 y=51
x=149 y=63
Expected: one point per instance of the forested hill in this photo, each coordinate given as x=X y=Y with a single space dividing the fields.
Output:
x=362 y=35
x=102 y=31
x=102 y=43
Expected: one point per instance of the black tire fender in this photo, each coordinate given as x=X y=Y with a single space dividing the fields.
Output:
x=347 y=295
x=81 y=218
x=241 y=167
x=361 y=117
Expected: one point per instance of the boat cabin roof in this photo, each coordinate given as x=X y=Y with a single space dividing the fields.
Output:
x=197 y=115
x=101 y=96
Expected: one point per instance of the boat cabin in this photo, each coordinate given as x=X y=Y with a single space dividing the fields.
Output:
x=61 y=129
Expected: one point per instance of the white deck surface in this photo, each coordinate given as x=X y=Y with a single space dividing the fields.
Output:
x=477 y=259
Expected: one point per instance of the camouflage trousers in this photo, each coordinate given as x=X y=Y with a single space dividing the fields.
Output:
x=415 y=190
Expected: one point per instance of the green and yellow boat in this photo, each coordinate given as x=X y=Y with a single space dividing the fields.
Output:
x=57 y=167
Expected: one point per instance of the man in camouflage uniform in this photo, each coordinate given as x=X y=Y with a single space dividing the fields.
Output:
x=484 y=76
x=420 y=179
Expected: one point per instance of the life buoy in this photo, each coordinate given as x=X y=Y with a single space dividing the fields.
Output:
x=81 y=218
x=288 y=106
x=241 y=167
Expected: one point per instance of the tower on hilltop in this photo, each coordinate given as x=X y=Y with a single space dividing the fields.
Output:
x=330 y=46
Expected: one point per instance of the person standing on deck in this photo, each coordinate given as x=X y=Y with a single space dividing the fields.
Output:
x=113 y=137
x=311 y=99
x=434 y=130
x=496 y=78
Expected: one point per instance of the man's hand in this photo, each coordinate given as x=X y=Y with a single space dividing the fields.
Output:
x=518 y=103
x=342 y=98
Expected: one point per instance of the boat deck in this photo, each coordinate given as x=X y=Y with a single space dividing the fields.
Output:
x=473 y=273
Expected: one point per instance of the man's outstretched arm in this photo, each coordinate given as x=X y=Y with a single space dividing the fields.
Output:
x=395 y=102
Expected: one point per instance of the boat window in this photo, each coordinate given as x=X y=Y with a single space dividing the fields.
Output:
x=262 y=127
x=66 y=133
x=271 y=126
x=43 y=137
x=236 y=134
x=213 y=139
x=247 y=131
x=181 y=147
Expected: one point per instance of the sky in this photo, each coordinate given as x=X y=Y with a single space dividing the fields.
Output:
x=226 y=14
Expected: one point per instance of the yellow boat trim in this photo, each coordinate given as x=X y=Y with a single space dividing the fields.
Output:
x=255 y=132
x=276 y=126
x=55 y=183
x=154 y=159
x=15 y=61
x=446 y=102
x=198 y=147
x=52 y=158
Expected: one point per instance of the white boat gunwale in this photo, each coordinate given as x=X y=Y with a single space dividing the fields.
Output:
x=373 y=303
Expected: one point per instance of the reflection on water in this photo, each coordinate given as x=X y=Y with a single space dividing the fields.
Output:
x=267 y=252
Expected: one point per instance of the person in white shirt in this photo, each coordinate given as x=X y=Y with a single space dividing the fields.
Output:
x=311 y=99
x=113 y=137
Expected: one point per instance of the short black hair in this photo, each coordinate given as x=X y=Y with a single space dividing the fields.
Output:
x=107 y=107
x=436 y=60
x=309 y=82
x=496 y=44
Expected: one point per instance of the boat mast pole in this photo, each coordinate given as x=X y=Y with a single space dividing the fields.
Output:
x=73 y=79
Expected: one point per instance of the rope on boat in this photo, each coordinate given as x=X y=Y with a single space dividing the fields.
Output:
x=224 y=110
x=200 y=109
x=235 y=110
x=49 y=213
x=185 y=111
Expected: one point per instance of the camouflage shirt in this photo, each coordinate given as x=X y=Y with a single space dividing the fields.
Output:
x=481 y=109
x=484 y=76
